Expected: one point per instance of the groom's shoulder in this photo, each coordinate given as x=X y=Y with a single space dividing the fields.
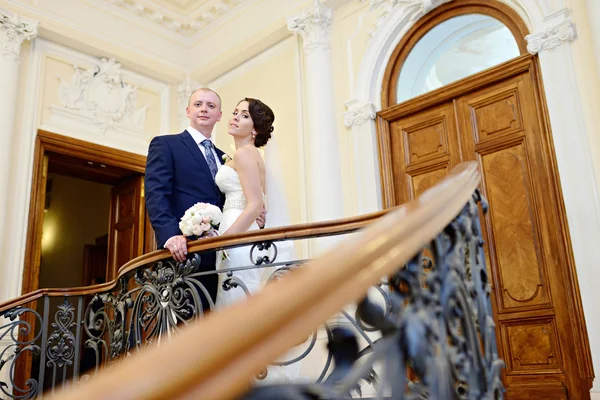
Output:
x=168 y=137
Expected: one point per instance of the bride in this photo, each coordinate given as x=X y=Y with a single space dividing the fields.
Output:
x=243 y=181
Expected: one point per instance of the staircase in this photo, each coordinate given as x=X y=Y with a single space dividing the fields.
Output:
x=397 y=309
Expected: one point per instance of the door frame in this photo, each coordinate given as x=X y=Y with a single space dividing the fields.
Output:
x=52 y=142
x=522 y=64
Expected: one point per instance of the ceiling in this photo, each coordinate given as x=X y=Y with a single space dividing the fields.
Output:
x=184 y=17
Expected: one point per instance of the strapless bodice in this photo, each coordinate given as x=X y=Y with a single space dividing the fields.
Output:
x=228 y=181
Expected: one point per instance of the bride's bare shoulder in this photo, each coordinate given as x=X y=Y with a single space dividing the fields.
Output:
x=246 y=154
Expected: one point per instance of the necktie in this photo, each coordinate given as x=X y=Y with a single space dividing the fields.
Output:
x=210 y=158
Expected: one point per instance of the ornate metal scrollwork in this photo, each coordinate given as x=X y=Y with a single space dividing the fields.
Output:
x=24 y=342
x=437 y=331
x=169 y=294
x=60 y=347
x=270 y=257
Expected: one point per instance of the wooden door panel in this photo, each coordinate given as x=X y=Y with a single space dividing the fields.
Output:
x=426 y=179
x=496 y=113
x=426 y=144
x=499 y=126
x=531 y=346
x=515 y=254
x=427 y=140
x=126 y=231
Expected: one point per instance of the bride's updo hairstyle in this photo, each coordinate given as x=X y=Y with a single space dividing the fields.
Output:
x=262 y=117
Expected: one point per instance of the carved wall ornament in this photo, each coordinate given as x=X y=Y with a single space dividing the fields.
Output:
x=13 y=31
x=184 y=91
x=101 y=95
x=415 y=8
x=359 y=113
x=314 y=25
x=551 y=38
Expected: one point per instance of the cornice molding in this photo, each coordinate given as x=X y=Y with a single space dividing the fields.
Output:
x=551 y=38
x=15 y=29
x=415 y=8
x=185 y=25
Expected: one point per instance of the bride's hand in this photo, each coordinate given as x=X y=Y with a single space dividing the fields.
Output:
x=261 y=220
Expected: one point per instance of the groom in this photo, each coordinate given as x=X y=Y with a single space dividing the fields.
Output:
x=180 y=171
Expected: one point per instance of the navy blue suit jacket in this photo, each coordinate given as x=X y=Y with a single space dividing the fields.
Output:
x=177 y=177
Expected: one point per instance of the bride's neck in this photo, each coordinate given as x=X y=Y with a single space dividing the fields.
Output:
x=242 y=142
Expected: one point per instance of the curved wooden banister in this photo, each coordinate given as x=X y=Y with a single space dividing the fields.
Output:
x=215 y=357
x=333 y=227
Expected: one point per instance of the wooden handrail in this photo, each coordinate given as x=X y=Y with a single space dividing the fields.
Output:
x=216 y=357
x=339 y=226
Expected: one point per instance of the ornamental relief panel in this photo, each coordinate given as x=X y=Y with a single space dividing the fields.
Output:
x=101 y=96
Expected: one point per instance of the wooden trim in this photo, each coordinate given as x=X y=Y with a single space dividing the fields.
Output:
x=444 y=94
x=492 y=8
x=52 y=142
x=222 y=367
x=579 y=328
x=386 y=174
x=94 y=152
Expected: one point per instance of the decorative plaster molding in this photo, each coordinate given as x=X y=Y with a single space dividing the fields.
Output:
x=415 y=8
x=185 y=23
x=551 y=38
x=314 y=26
x=100 y=95
x=184 y=91
x=359 y=113
x=13 y=31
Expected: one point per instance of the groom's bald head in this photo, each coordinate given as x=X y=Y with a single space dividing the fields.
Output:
x=205 y=90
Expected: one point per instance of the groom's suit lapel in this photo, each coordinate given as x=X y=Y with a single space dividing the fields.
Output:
x=220 y=154
x=192 y=146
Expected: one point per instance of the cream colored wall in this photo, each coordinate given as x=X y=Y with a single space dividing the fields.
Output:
x=349 y=40
x=587 y=65
x=273 y=78
x=78 y=214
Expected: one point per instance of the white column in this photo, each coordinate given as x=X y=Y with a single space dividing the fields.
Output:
x=575 y=167
x=324 y=187
x=360 y=119
x=13 y=31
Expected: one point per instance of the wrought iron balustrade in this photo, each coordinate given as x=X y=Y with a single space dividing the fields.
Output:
x=55 y=337
x=425 y=331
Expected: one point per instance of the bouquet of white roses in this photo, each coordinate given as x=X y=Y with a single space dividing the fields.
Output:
x=200 y=219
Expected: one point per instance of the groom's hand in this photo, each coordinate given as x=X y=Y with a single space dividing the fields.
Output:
x=261 y=220
x=177 y=245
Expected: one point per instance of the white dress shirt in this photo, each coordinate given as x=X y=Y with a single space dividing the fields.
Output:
x=199 y=138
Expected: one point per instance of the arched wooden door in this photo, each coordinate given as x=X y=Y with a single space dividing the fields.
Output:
x=496 y=117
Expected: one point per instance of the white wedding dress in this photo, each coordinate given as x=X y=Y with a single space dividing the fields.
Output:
x=228 y=181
